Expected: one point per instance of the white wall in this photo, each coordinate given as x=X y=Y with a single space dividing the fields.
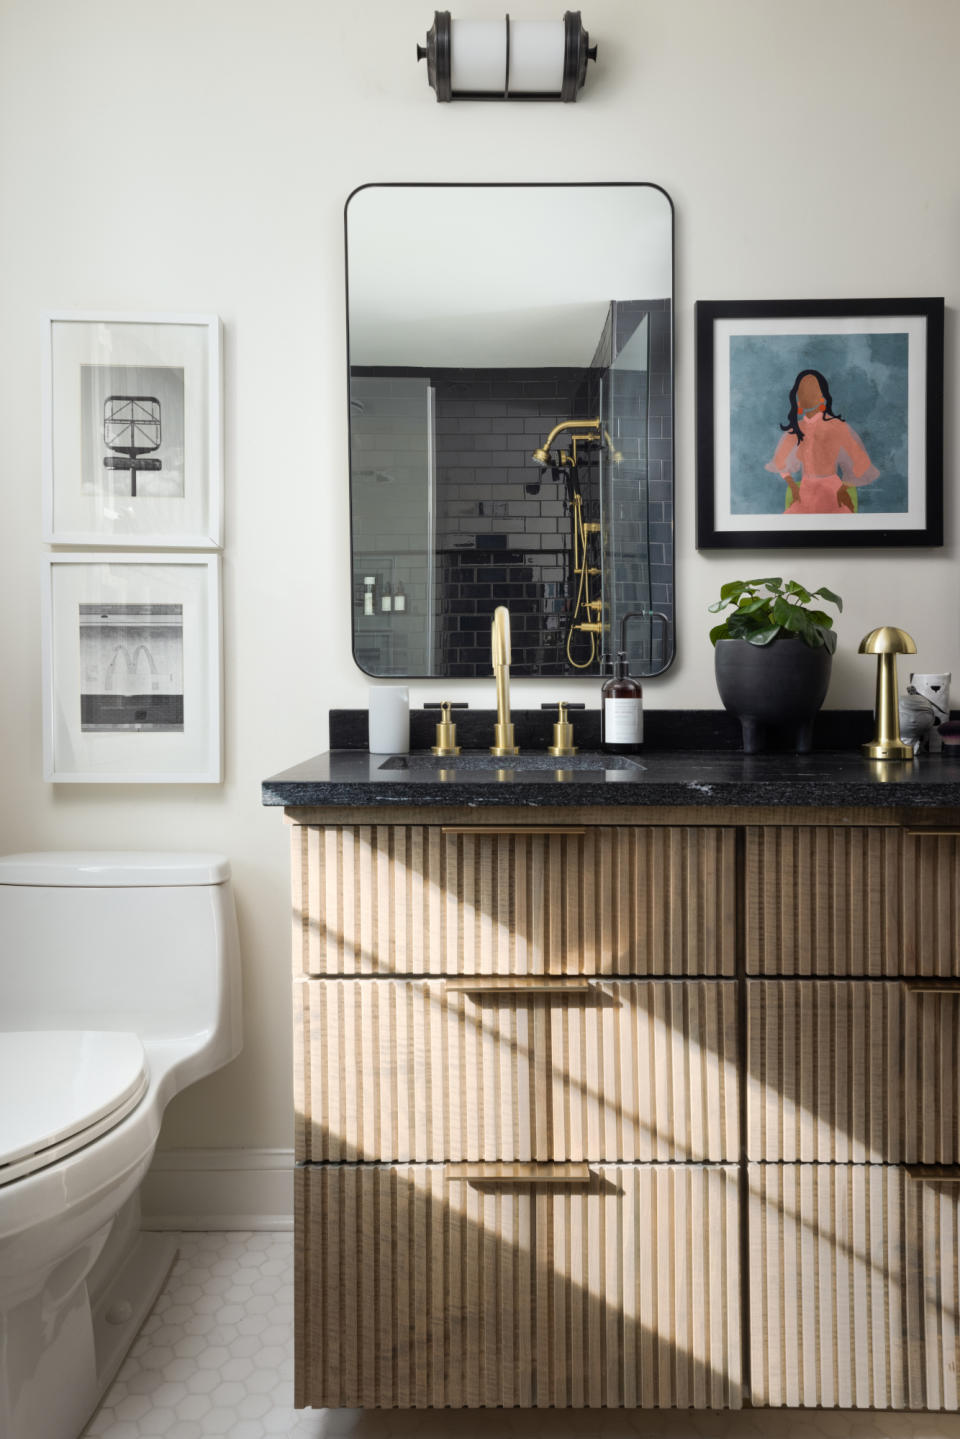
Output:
x=476 y=276
x=196 y=155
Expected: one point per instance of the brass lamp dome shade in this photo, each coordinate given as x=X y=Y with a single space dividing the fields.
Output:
x=886 y=643
x=887 y=640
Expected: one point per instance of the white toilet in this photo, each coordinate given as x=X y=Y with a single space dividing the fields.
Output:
x=119 y=986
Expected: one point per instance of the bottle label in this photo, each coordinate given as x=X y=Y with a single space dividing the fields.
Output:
x=623 y=721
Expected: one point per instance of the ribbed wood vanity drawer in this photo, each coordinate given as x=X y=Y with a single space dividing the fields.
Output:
x=631 y=1070
x=853 y=1071
x=418 y=1289
x=419 y=899
x=854 y=1292
x=866 y=901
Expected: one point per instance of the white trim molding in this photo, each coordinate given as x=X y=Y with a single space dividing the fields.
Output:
x=219 y=1189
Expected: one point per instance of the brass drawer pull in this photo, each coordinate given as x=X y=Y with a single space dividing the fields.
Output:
x=934 y=832
x=518 y=984
x=495 y=831
x=943 y=1173
x=933 y=986
x=520 y=1173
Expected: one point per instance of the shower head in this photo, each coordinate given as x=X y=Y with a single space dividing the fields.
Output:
x=541 y=457
x=615 y=455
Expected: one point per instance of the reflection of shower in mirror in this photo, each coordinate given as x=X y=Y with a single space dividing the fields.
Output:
x=586 y=549
x=473 y=347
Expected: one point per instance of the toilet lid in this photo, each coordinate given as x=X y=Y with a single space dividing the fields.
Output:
x=62 y=1089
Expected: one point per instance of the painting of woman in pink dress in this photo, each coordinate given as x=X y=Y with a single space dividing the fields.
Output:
x=820 y=458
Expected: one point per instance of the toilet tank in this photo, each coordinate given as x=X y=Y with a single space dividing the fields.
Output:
x=140 y=941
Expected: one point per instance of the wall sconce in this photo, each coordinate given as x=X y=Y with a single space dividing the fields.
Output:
x=508 y=59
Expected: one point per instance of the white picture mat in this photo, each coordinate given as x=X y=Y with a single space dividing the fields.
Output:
x=73 y=755
x=190 y=344
x=915 y=327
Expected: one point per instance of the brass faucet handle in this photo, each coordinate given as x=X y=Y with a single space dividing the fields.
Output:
x=446 y=734
x=563 y=730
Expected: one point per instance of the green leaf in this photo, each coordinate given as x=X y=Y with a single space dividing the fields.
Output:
x=765 y=636
x=732 y=590
x=826 y=594
x=819 y=638
x=781 y=611
x=748 y=606
x=773 y=584
x=799 y=621
x=719 y=632
x=819 y=618
x=742 y=628
x=803 y=595
x=720 y=605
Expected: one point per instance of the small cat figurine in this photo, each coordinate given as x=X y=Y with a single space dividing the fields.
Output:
x=936 y=690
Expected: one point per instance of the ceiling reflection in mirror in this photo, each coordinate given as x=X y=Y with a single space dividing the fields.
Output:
x=511 y=420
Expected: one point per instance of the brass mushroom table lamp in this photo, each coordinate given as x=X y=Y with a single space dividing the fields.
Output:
x=886 y=643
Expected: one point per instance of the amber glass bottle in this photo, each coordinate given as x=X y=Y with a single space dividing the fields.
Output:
x=621 y=702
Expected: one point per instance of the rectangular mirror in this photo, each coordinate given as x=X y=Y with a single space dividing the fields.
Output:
x=510 y=352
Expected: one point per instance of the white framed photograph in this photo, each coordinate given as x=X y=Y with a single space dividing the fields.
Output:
x=132 y=447
x=131 y=669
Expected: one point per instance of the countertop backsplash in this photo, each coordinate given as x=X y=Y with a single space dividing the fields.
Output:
x=663 y=729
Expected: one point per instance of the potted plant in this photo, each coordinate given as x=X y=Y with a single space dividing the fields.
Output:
x=773 y=653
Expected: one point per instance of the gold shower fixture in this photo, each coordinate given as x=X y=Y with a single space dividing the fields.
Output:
x=580 y=430
x=616 y=455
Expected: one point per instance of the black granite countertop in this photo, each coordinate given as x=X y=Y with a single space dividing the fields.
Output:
x=692 y=757
x=826 y=779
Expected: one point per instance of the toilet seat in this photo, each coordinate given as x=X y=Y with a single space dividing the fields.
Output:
x=68 y=1087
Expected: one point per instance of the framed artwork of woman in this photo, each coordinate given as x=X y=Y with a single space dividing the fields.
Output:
x=819 y=423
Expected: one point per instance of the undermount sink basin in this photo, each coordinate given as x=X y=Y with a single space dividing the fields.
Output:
x=483 y=760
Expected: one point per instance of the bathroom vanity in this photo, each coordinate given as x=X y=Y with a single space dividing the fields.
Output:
x=627 y=1089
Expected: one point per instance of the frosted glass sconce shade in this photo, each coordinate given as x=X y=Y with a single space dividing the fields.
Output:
x=507 y=59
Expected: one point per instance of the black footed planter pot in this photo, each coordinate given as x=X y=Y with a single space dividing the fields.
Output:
x=782 y=684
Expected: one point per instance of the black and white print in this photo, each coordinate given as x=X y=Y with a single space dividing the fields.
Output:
x=132 y=442
x=131 y=667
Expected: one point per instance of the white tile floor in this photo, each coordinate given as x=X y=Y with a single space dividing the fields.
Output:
x=216 y=1358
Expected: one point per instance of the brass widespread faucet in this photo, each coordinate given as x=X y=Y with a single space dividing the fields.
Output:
x=500 y=653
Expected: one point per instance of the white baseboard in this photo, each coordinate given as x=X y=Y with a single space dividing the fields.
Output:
x=219 y=1189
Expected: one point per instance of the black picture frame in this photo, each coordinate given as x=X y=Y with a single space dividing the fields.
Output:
x=888 y=353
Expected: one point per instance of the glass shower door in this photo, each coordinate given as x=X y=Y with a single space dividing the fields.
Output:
x=624 y=492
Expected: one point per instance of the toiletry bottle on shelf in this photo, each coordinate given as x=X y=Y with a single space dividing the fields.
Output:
x=621 y=701
x=368 y=581
x=386 y=600
x=399 y=599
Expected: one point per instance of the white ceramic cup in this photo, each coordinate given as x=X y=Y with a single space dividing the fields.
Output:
x=389 y=716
